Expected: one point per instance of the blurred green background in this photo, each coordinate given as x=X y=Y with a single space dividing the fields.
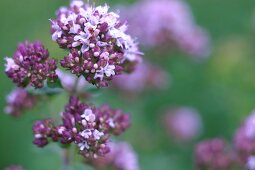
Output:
x=222 y=89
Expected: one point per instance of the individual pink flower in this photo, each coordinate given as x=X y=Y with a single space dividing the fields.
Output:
x=183 y=123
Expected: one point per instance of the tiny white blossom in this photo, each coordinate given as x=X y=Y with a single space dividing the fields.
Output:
x=111 y=123
x=86 y=133
x=88 y=115
x=82 y=38
x=10 y=64
x=61 y=130
x=38 y=136
x=102 y=10
x=83 y=145
x=97 y=135
x=108 y=70
x=63 y=19
x=77 y=3
x=74 y=29
x=58 y=33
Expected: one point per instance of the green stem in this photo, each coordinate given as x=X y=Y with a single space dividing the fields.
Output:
x=74 y=90
x=66 y=159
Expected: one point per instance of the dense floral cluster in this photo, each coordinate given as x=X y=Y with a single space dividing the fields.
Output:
x=121 y=157
x=86 y=126
x=14 y=168
x=184 y=123
x=161 y=22
x=145 y=76
x=98 y=46
x=18 y=101
x=214 y=155
x=30 y=65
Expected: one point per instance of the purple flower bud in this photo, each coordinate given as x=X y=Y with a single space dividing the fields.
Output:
x=42 y=130
x=30 y=65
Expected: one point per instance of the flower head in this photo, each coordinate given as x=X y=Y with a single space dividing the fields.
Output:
x=245 y=138
x=213 y=154
x=158 y=23
x=97 y=40
x=30 y=65
x=18 y=101
x=122 y=156
x=183 y=123
x=86 y=126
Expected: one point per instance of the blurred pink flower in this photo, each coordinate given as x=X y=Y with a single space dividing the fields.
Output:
x=18 y=101
x=144 y=76
x=120 y=157
x=251 y=163
x=214 y=154
x=245 y=138
x=183 y=123
x=68 y=81
x=161 y=22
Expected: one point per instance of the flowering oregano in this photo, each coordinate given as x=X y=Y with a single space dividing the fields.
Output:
x=98 y=49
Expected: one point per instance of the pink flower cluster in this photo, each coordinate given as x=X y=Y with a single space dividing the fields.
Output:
x=98 y=45
x=214 y=155
x=161 y=22
x=31 y=65
x=18 y=101
x=245 y=138
x=86 y=126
